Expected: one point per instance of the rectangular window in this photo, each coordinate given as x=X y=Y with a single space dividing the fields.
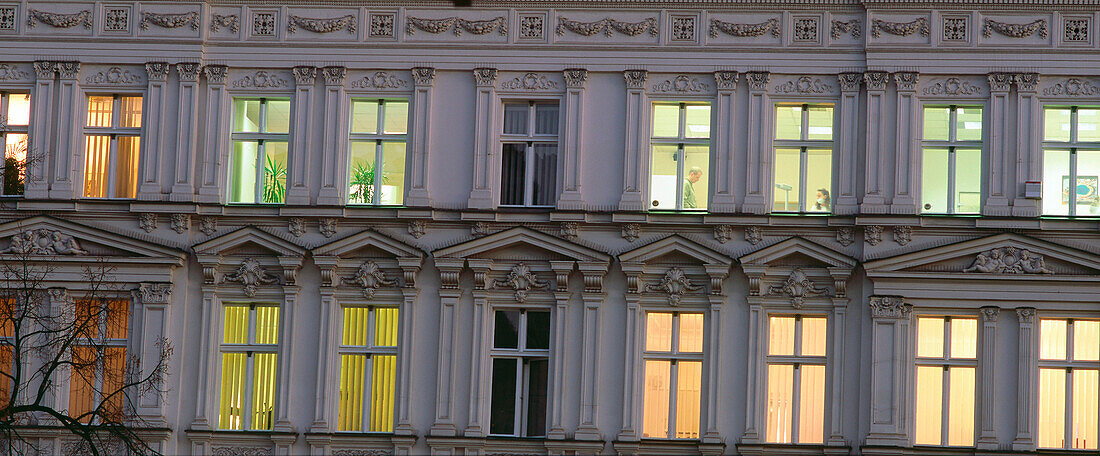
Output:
x=15 y=115
x=529 y=154
x=368 y=369
x=1071 y=160
x=376 y=160
x=679 y=175
x=803 y=158
x=1069 y=380
x=249 y=348
x=520 y=364
x=112 y=146
x=673 y=357
x=796 y=378
x=258 y=166
x=98 y=359
x=947 y=359
x=951 y=177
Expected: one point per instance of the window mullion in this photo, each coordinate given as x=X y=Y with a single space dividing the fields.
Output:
x=802 y=179
x=672 y=381
x=680 y=176
x=524 y=399
x=517 y=404
x=953 y=119
x=796 y=402
x=945 y=405
x=368 y=392
x=529 y=175
x=1068 y=388
x=951 y=173
x=246 y=399
x=376 y=195
x=804 y=134
x=261 y=156
x=1072 y=197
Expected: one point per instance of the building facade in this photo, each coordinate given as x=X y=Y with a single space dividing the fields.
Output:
x=574 y=227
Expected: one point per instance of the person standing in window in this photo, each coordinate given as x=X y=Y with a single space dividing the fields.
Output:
x=823 y=200
x=694 y=175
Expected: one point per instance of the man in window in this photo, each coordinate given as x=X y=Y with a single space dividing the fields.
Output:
x=689 y=187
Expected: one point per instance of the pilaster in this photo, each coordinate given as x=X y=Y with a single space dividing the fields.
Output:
x=187 y=132
x=874 y=198
x=449 y=293
x=68 y=138
x=632 y=367
x=1026 y=403
x=561 y=269
x=907 y=162
x=1029 y=151
x=216 y=135
x=754 y=374
x=204 y=397
x=572 y=140
x=301 y=140
x=481 y=197
x=153 y=152
x=418 y=139
x=890 y=321
x=725 y=120
x=987 y=402
x=479 y=359
x=410 y=292
x=152 y=317
x=759 y=132
x=835 y=438
x=591 y=342
x=847 y=143
x=335 y=143
x=283 y=396
x=41 y=139
x=637 y=119
x=1000 y=172
x=712 y=359
x=326 y=346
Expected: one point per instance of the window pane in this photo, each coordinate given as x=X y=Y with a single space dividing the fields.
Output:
x=696 y=164
x=117 y=323
x=1086 y=340
x=968 y=181
x=934 y=176
x=538 y=330
x=1052 y=339
x=126 y=169
x=937 y=120
x=1056 y=182
x=928 y=405
x=502 y=412
x=1087 y=122
x=698 y=121
x=506 y=331
x=19 y=108
x=662 y=187
x=393 y=172
x=656 y=398
x=1086 y=407
x=1056 y=124
x=515 y=118
x=6 y=369
x=350 y=406
x=263 y=391
x=688 y=379
x=544 y=187
x=231 y=406
x=97 y=150
x=130 y=111
x=788 y=122
x=242 y=172
x=385 y=327
x=691 y=332
x=968 y=124
x=274 y=171
x=383 y=387
x=267 y=325
x=15 y=163
x=780 y=402
x=658 y=331
x=1088 y=175
x=355 y=326
x=964 y=338
x=396 y=117
x=361 y=172
x=364 y=116
x=819 y=180
x=546 y=119
x=930 y=337
x=246 y=115
x=114 y=374
x=811 y=404
x=813 y=336
x=513 y=172
x=236 y=325
x=1052 y=408
x=960 y=406
x=781 y=336
x=100 y=110
x=82 y=383
x=821 y=123
x=536 y=397
x=787 y=187
x=666 y=120
x=278 y=116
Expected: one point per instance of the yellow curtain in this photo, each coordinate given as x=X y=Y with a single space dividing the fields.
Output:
x=263 y=391
x=126 y=169
x=350 y=407
x=383 y=386
x=97 y=152
x=81 y=382
x=232 y=391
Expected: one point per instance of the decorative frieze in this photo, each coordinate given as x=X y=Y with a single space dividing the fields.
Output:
x=919 y=24
x=43 y=241
x=261 y=80
x=804 y=85
x=250 y=274
x=10 y=72
x=889 y=307
x=530 y=81
x=370 y=278
x=171 y=21
x=952 y=86
x=681 y=84
x=1036 y=27
x=59 y=20
x=229 y=21
x=114 y=76
x=457 y=24
x=315 y=25
x=1009 y=260
x=380 y=80
x=607 y=26
x=744 y=30
x=1072 y=87
x=854 y=28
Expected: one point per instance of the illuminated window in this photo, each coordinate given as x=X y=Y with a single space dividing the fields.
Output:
x=803 y=158
x=99 y=366
x=376 y=161
x=368 y=369
x=947 y=358
x=15 y=115
x=1071 y=160
x=1069 y=377
x=680 y=171
x=7 y=347
x=673 y=375
x=258 y=167
x=249 y=363
x=112 y=146
x=520 y=358
x=796 y=379
x=951 y=172
x=529 y=154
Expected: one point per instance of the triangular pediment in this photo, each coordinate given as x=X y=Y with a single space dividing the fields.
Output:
x=798 y=252
x=1002 y=254
x=675 y=249
x=249 y=241
x=521 y=243
x=49 y=236
x=368 y=243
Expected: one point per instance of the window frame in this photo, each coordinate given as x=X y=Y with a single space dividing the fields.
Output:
x=114 y=131
x=103 y=342
x=951 y=144
x=249 y=348
x=1069 y=365
x=803 y=144
x=797 y=360
x=530 y=140
x=523 y=355
x=679 y=141
x=673 y=355
x=947 y=361
x=379 y=137
x=6 y=129
x=260 y=137
x=370 y=351
x=1072 y=146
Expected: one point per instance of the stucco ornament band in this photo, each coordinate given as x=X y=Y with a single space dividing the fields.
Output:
x=170 y=21
x=1073 y=87
x=952 y=86
x=530 y=81
x=1037 y=27
x=43 y=241
x=114 y=75
x=12 y=73
x=261 y=80
x=379 y=80
x=370 y=277
x=435 y=26
x=607 y=26
x=229 y=21
x=522 y=280
x=919 y=24
x=676 y=283
x=804 y=85
x=681 y=84
x=250 y=274
x=317 y=25
x=60 y=20
x=798 y=287
x=1009 y=260
x=852 y=27
x=744 y=30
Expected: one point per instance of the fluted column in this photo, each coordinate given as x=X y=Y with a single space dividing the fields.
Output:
x=187 y=132
x=637 y=118
x=481 y=197
x=40 y=140
x=216 y=135
x=153 y=152
x=874 y=198
x=907 y=156
x=572 y=140
x=1029 y=150
x=301 y=138
x=418 y=139
x=725 y=121
x=334 y=147
x=759 y=132
x=70 y=122
x=1025 y=401
x=847 y=143
x=1000 y=166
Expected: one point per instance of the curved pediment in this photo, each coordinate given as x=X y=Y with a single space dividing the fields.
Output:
x=1006 y=254
x=521 y=243
x=368 y=243
x=45 y=236
x=798 y=252
x=249 y=241
x=675 y=249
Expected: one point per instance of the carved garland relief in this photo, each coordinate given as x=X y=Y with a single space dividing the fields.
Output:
x=607 y=26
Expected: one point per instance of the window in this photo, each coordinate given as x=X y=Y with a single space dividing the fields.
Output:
x=249 y=362
x=15 y=115
x=673 y=375
x=796 y=379
x=7 y=348
x=258 y=168
x=803 y=158
x=1069 y=377
x=681 y=156
x=376 y=161
x=112 y=137
x=947 y=352
x=529 y=154
x=98 y=358
x=368 y=369
x=520 y=356
x=1071 y=160
x=952 y=148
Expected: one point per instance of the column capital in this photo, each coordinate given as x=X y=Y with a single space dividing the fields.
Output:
x=906 y=80
x=485 y=77
x=68 y=70
x=423 y=76
x=635 y=79
x=45 y=69
x=758 y=80
x=305 y=75
x=215 y=74
x=1026 y=315
x=999 y=82
x=726 y=80
x=334 y=75
x=575 y=77
x=876 y=80
x=990 y=313
x=157 y=71
x=1026 y=82
x=849 y=82
x=188 y=71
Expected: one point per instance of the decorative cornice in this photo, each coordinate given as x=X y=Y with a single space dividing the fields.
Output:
x=1009 y=260
x=316 y=25
x=530 y=81
x=853 y=27
x=635 y=79
x=744 y=30
x=169 y=20
x=1072 y=87
x=804 y=85
x=435 y=26
x=575 y=77
x=681 y=84
x=607 y=26
x=59 y=20
x=157 y=71
x=379 y=80
x=230 y=21
x=919 y=24
x=261 y=80
x=1038 y=26
x=952 y=86
x=485 y=77
x=117 y=76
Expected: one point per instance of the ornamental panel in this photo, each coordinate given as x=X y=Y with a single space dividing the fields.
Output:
x=901 y=28
x=1016 y=30
x=311 y=24
x=456 y=26
x=750 y=29
x=607 y=27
